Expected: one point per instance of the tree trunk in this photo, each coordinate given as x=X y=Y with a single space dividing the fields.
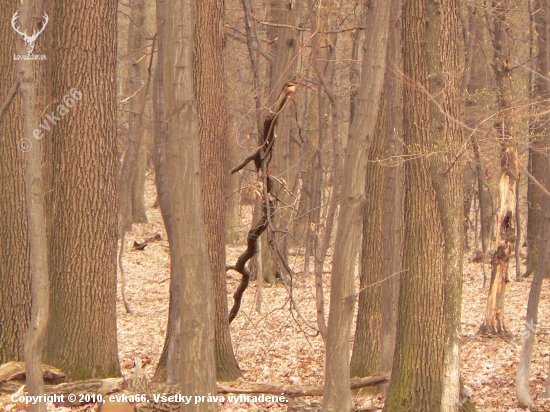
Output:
x=137 y=92
x=283 y=69
x=442 y=58
x=82 y=339
x=15 y=299
x=539 y=142
x=337 y=396
x=138 y=183
x=420 y=313
x=191 y=352
x=542 y=259
x=473 y=80
x=522 y=375
x=38 y=245
x=392 y=233
x=365 y=357
x=209 y=76
x=160 y=154
x=429 y=300
x=232 y=185
x=494 y=323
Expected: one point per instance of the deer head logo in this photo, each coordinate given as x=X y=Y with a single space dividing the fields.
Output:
x=29 y=39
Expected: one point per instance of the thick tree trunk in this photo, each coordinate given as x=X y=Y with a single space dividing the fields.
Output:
x=429 y=300
x=337 y=396
x=191 y=348
x=209 y=76
x=15 y=299
x=82 y=339
x=442 y=58
x=420 y=313
x=494 y=323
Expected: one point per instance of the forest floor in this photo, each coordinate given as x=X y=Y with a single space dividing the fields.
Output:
x=276 y=345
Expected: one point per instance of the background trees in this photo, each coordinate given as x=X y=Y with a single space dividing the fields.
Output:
x=398 y=154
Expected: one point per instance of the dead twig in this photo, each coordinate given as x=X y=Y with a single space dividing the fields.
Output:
x=11 y=94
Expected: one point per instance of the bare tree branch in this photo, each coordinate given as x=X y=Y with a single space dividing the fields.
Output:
x=11 y=94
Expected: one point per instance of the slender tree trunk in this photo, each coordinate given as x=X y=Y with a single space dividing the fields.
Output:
x=337 y=396
x=542 y=258
x=82 y=339
x=143 y=72
x=160 y=154
x=539 y=142
x=365 y=358
x=209 y=76
x=40 y=287
x=325 y=95
x=136 y=87
x=522 y=375
x=471 y=82
x=232 y=193
x=392 y=234
x=138 y=183
x=494 y=323
x=15 y=294
x=283 y=69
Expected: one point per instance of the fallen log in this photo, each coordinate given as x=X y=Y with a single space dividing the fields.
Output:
x=112 y=385
x=295 y=391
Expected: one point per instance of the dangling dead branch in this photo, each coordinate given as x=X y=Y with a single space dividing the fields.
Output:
x=261 y=158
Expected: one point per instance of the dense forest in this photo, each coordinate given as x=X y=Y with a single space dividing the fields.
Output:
x=274 y=205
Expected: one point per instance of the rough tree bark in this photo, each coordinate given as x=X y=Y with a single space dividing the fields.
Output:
x=337 y=396
x=442 y=58
x=429 y=301
x=15 y=301
x=209 y=77
x=374 y=343
x=191 y=353
x=392 y=234
x=365 y=357
x=494 y=323
x=82 y=339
